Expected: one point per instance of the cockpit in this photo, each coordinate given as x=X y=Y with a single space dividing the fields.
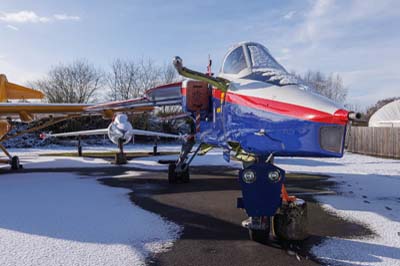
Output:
x=250 y=60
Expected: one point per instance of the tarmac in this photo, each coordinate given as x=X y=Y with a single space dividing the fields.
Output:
x=206 y=210
x=212 y=234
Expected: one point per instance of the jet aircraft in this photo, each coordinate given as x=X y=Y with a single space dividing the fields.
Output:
x=253 y=110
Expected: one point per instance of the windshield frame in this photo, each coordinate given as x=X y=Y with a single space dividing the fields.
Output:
x=277 y=66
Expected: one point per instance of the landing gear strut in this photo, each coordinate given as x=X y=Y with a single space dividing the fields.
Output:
x=79 y=147
x=120 y=157
x=272 y=213
x=179 y=171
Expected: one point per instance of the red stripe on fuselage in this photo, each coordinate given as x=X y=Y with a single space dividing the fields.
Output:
x=292 y=110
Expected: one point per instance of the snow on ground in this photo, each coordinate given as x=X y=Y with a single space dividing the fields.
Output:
x=137 y=147
x=368 y=193
x=65 y=219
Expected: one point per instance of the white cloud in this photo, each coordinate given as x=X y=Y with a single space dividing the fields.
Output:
x=321 y=7
x=289 y=15
x=27 y=16
x=329 y=19
x=316 y=21
x=11 y=27
x=354 y=39
x=22 y=17
x=66 y=17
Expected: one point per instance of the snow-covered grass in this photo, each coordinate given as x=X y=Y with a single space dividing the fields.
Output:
x=65 y=219
x=368 y=193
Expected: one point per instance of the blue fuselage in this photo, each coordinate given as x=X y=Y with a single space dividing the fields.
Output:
x=262 y=132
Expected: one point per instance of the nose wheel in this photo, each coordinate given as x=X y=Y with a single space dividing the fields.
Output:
x=259 y=228
x=273 y=214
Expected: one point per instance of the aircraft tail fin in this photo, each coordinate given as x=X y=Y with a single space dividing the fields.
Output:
x=11 y=91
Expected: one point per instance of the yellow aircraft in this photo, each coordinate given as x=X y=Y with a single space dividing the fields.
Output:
x=28 y=112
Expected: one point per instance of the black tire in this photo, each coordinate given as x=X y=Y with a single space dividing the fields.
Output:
x=260 y=236
x=291 y=222
x=172 y=176
x=15 y=163
x=185 y=177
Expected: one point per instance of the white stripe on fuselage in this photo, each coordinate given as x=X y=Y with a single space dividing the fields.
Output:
x=291 y=94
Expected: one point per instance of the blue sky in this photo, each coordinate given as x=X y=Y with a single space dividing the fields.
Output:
x=360 y=40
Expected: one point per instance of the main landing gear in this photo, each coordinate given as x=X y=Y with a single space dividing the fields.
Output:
x=120 y=157
x=272 y=213
x=13 y=161
x=179 y=170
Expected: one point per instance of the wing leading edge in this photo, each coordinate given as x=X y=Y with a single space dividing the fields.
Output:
x=104 y=131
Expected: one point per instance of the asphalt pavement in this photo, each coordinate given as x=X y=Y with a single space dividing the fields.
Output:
x=212 y=232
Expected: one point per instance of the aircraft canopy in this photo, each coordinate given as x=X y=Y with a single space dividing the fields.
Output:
x=248 y=55
x=252 y=60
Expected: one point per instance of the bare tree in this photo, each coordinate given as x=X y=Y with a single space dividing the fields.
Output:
x=149 y=74
x=77 y=82
x=169 y=74
x=123 y=80
x=330 y=86
x=129 y=79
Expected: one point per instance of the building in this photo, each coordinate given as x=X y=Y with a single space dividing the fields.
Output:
x=387 y=116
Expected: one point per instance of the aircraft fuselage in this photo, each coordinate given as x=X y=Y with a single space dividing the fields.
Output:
x=265 y=119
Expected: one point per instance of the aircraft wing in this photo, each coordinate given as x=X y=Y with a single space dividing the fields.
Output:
x=154 y=134
x=104 y=131
x=11 y=91
x=169 y=94
x=159 y=96
x=28 y=112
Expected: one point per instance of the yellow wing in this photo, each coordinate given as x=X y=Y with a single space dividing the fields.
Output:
x=11 y=91
x=28 y=112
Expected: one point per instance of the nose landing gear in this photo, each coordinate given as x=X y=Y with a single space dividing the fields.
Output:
x=272 y=213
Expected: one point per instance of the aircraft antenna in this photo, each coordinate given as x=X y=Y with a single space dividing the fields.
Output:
x=209 y=72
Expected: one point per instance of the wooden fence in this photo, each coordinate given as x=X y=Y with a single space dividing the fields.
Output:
x=378 y=141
